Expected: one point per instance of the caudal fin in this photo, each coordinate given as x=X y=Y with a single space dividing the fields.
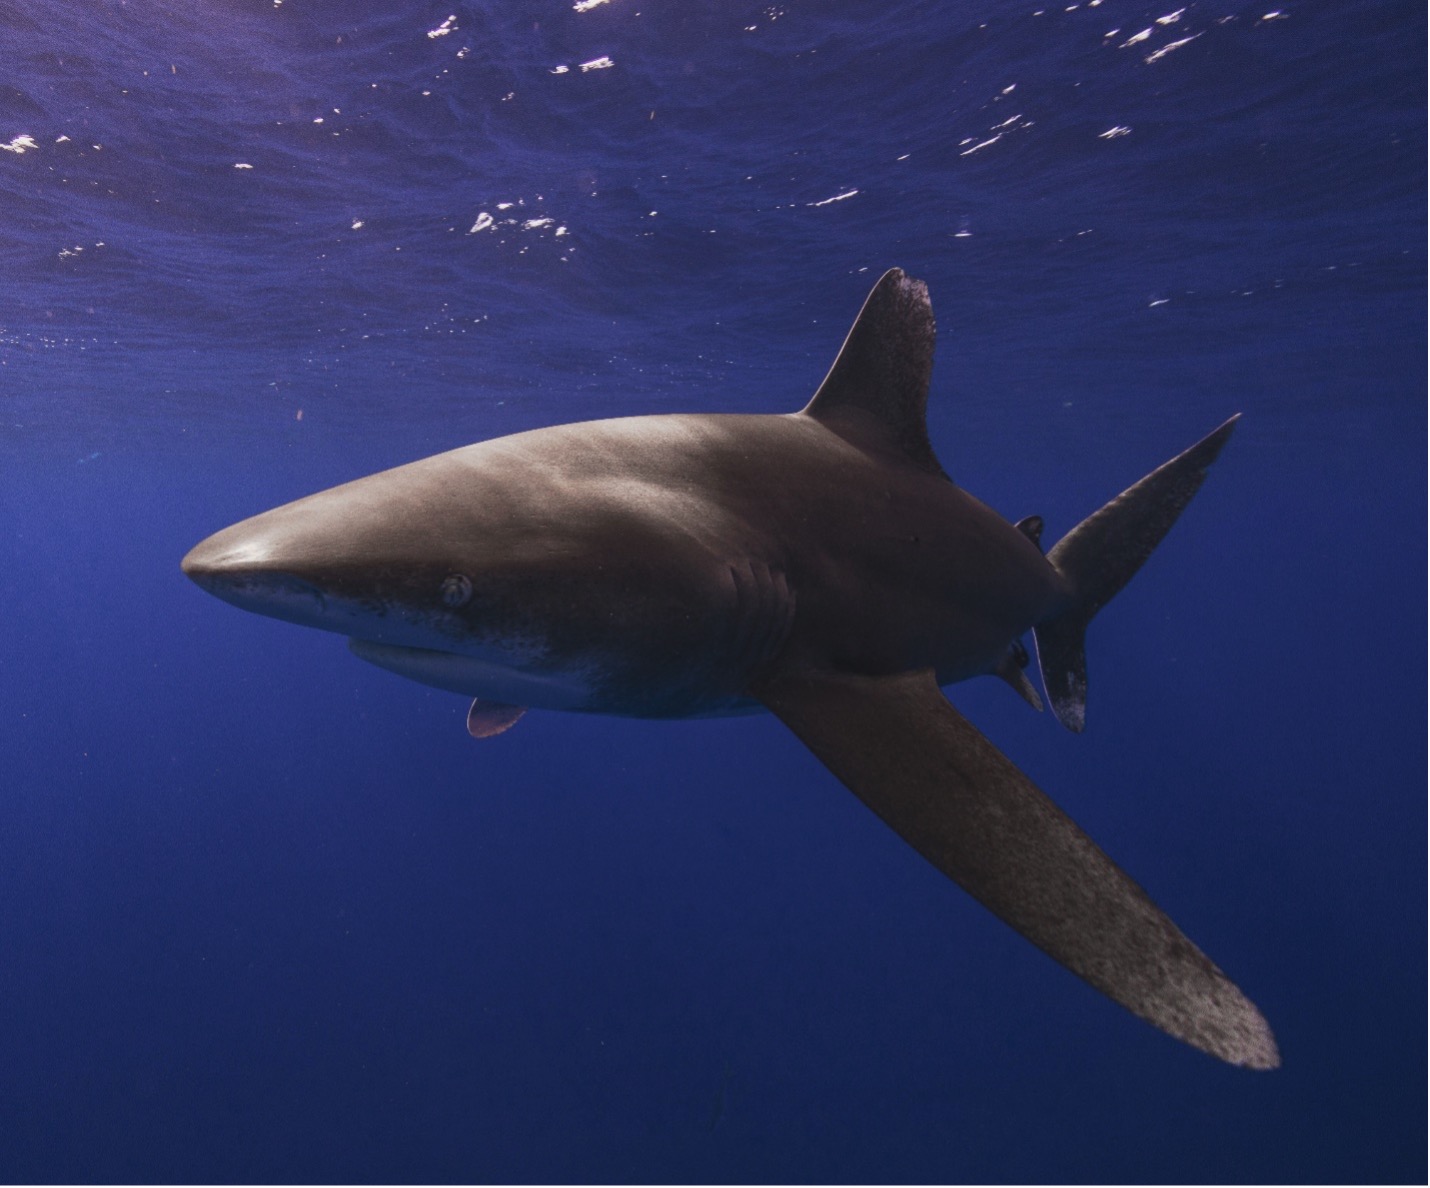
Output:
x=1099 y=557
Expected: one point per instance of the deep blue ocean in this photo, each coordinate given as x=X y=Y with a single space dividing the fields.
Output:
x=268 y=913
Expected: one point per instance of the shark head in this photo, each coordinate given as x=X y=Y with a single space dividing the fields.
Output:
x=339 y=560
x=517 y=570
x=424 y=575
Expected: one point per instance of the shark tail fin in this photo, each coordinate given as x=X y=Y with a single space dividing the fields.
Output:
x=1099 y=557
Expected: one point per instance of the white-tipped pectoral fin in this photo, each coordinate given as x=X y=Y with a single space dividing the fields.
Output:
x=899 y=746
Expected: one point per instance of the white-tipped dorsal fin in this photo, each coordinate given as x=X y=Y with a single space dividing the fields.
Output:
x=879 y=383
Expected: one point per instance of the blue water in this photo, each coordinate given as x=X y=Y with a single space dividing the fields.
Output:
x=267 y=913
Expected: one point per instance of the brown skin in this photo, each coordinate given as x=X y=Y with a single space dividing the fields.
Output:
x=676 y=556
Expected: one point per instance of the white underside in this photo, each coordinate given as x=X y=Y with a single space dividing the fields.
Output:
x=477 y=678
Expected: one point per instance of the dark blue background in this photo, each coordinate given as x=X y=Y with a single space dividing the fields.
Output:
x=267 y=913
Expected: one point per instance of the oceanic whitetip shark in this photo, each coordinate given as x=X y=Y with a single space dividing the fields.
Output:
x=818 y=564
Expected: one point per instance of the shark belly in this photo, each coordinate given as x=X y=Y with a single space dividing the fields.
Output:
x=476 y=677
x=573 y=689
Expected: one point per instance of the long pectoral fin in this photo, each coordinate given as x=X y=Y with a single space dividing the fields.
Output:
x=901 y=748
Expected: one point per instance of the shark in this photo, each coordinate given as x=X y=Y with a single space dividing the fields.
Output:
x=819 y=565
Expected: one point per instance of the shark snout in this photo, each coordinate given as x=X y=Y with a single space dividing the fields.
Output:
x=208 y=560
x=242 y=570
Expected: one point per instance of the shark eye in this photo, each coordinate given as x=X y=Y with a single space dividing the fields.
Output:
x=456 y=590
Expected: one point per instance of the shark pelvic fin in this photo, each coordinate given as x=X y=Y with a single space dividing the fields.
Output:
x=1099 y=557
x=1011 y=669
x=899 y=746
x=1032 y=528
x=878 y=386
x=488 y=718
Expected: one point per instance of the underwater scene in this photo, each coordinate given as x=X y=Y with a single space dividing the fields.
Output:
x=514 y=824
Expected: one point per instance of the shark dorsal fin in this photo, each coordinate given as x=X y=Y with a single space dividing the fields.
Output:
x=880 y=381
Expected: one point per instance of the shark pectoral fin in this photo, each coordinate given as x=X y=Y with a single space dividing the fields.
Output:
x=901 y=748
x=488 y=718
